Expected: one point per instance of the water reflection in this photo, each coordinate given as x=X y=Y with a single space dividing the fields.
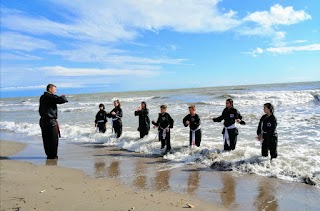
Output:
x=51 y=162
x=266 y=199
x=113 y=169
x=162 y=180
x=140 y=180
x=99 y=169
x=193 y=181
x=228 y=192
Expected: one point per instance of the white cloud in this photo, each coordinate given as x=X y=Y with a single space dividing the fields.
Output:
x=15 y=41
x=291 y=49
x=267 y=22
x=64 y=71
x=112 y=21
x=255 y=52
x=278 y=15
x=18 y=56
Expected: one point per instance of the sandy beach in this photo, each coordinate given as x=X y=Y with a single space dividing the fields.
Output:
x=25 y=186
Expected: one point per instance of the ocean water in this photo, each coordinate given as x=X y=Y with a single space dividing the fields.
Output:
x=297 y=108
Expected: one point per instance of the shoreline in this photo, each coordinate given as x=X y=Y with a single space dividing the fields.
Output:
x=27 y=186
x=142 y=176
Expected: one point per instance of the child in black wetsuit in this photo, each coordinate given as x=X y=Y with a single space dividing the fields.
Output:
x=193 y=121
x=267 y=132
x=164 y=123
x=144 y=121
x=116 y=115
x=230 y=116
x=101 y=119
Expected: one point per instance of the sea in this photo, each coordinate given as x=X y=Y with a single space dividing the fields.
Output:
x=297 y=109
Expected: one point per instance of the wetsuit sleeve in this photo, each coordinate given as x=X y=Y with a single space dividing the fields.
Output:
x=273 y=126
x=219 y=119
x=96 y=120
x=120 y=113
x=51 y=98
x=137 y=113
x=171 y=121
x=105 y=117
x=109 y=115
x=198 y=120
x=185 y=119
x=259 y=126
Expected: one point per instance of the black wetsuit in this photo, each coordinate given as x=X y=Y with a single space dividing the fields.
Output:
x=48 y=122
x=269 y=134
x=144 y=121
x=101 y=120
x=116 y=120
x=229 y=116
x=194 y=127
x=164 y=123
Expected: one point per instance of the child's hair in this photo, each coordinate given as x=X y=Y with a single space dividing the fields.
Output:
x=163 y=106
x=193 y=107
x=101 y=105
x=231 y=102
x=145 y=104
x=270 y=107
x=119 y=105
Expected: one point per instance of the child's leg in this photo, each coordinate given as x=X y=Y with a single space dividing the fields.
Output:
x=198 y=138
x=168 y=141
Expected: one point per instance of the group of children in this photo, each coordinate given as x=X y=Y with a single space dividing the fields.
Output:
x=267 y=134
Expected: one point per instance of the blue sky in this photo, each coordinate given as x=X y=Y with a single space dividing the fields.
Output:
x=108 y=46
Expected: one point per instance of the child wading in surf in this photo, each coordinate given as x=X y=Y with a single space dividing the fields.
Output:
x=230 y=116
x=116 y=115
x=193 y=121
x=144 y=121
x=267 y=132
x=164 y=123
x=101 y=119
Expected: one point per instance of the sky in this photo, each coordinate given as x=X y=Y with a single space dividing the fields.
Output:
x=110 y=46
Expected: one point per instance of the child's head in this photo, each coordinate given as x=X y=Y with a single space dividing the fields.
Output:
x=101 y=106
x=268 y=108
x=229 y=103
x=192 y=109
x=116 y=103
x=143 y=104
x=163 y=108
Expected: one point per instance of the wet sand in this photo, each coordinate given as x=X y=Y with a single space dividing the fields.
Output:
x=150 y=174
x=25 y=186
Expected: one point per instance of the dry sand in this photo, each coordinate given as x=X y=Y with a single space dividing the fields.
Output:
x=25 y=186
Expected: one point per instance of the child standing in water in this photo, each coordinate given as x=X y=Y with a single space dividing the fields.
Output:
x=230 y=116
x=193 y=121
x=267 y=132
x=116 y=115
x=164 y=123
x=101 y=119
x=144 y=121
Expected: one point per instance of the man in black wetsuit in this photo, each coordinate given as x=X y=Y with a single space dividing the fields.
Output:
x=48 y=122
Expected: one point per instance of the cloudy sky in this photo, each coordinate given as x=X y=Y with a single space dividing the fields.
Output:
x=124 y=45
